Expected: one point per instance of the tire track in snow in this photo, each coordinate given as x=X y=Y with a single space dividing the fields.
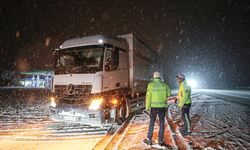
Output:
x=227 y=119
x=111 y=140
x=226 y=130
x=131 y=134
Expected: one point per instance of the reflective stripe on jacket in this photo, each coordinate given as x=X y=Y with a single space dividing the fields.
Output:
x=184 y=94
x=157 y=92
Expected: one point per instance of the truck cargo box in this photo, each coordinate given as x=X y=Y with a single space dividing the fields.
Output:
x=143 y=61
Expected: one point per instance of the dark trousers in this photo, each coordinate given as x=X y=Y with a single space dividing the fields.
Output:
x=161 y=115
x=186 y=117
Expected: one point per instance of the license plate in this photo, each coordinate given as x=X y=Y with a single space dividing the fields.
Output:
x=69 y=118
x=65 y=113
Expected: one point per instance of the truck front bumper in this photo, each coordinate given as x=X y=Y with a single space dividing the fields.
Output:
x=82 y=116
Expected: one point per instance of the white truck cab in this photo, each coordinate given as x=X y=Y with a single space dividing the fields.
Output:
x=100 y=79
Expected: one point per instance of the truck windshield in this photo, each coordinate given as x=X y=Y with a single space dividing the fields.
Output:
x=88 y=59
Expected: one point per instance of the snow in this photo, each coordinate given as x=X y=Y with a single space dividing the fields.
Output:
x=220 y=120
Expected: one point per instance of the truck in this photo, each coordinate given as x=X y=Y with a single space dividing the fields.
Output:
x=100 y=80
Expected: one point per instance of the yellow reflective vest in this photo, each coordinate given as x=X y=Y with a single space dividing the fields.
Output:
x=157 y=93
x=184 y=94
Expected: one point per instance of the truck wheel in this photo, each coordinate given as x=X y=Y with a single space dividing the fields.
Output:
x=119 y=118
x=122 y=112
x=127 y=113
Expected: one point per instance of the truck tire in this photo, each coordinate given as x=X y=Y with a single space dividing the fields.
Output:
x=127 y=108
x=122 y=111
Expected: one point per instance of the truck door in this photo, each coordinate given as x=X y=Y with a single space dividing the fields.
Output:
x=112 y=73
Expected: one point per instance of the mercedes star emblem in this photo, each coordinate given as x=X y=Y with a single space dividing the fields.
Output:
x=71 y=89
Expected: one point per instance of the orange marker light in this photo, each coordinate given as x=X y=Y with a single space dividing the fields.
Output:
x=114 y=101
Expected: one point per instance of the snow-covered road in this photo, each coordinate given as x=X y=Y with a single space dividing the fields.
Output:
x=220 y=120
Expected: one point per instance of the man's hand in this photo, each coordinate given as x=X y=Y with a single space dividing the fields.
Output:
x=171 y=98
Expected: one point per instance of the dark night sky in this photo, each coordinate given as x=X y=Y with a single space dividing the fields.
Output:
x=205 y=39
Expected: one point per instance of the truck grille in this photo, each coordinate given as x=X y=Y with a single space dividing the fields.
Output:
x=73 y=92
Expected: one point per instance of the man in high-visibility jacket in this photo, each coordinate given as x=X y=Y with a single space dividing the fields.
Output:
x=157 y=93
x=184 y=102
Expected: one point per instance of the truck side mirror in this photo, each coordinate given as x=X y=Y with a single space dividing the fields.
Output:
x=107 y=66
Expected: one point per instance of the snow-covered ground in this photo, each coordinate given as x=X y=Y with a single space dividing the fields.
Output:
x=220 y=120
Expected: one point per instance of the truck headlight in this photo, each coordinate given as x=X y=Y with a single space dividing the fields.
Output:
x=95 y=103
x=52 y=102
